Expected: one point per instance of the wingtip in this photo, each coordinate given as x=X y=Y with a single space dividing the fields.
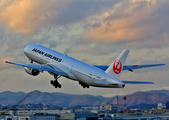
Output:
x=150 y=83
x=162 y=64
x=126 y=49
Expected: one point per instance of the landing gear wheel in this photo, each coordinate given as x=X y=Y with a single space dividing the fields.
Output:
x=51 y=82
x=84 y=85
x=55 y=83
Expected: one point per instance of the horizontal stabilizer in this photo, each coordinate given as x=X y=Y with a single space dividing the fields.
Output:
x=137 y=82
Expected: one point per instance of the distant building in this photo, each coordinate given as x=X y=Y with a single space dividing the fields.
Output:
x=8 y=117
x=12 y=117
x=108 y=107
x=70 y=116
x=43 y=117
x=167 y=105
x=91 y=108
x=86 y=116
x=161 y=106
x=44 y=106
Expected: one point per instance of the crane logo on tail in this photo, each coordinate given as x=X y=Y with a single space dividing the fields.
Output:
x=117 y=66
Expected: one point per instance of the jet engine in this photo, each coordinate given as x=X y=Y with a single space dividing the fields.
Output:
x=33 y=72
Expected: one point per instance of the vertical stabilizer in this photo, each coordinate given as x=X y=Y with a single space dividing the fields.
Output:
x=116 y=67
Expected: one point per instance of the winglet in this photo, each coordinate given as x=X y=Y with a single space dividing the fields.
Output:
x=116 y=67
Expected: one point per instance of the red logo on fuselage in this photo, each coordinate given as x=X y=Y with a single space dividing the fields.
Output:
x=117 y=66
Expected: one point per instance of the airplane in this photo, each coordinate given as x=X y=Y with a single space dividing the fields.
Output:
x=58 y=64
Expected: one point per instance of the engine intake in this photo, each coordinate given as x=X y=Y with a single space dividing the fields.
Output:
x=30 y=71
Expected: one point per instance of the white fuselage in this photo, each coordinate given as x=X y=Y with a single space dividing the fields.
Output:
x=75 y=69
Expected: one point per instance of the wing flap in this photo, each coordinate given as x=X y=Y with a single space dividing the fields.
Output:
x=44 y=67
x=137 y=82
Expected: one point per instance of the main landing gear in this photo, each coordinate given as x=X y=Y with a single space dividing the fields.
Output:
x=83 y=85
x=55 y=82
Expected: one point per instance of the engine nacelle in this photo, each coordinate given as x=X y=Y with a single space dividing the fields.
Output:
x=33 y=72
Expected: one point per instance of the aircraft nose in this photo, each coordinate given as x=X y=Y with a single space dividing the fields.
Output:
x=26 y=48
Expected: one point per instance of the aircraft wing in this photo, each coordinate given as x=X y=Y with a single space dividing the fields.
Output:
x=137 y=82
x=129 y=67
x=43 y=67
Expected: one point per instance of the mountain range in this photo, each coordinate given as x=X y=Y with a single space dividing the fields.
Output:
x=70 y=100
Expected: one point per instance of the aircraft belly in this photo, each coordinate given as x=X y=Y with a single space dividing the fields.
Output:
x=82 y=77
x=90 y=81
x=106 y=86
x=72 y=76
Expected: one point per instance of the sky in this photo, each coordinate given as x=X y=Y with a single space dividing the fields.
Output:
x=93 y=31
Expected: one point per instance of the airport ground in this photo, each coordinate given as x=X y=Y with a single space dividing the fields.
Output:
x=106 y=111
